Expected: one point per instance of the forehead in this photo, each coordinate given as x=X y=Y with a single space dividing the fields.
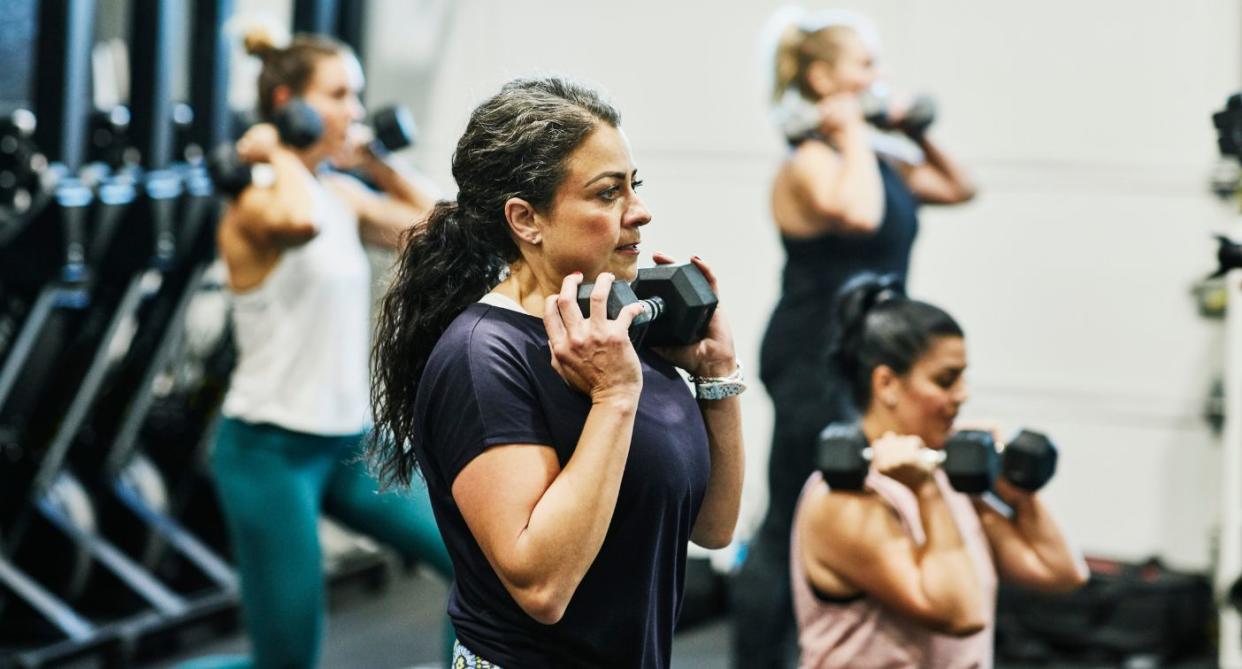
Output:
x=338 y=70
x=606 y=149
x=944 y=352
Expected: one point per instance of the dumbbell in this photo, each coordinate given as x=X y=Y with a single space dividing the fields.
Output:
x=22 y=172
x=970 y=459
x=678 y=304
x=877 y=105
x=298 y=126
x=394 y=129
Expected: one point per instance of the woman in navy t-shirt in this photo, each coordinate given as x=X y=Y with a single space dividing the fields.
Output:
x=567 y=470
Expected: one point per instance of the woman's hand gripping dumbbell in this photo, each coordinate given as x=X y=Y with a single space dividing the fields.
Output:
x=678 y=301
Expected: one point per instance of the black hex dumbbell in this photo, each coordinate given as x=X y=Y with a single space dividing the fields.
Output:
x=919 y=116
x=678 y=300
x=974 y=461
x=394 y=129
x=970 y=459
x=298 y=126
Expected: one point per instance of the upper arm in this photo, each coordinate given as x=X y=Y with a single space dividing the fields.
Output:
x=496 y=493
x=260 y=215
x=815 y=173
x=1016 y=560
x=932 y=186
x=381 y=218
x=861 y=540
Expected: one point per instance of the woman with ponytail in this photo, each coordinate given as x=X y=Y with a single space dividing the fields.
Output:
x=904 y=573
x=567 y=469
x=297 y=408
x=841 y=206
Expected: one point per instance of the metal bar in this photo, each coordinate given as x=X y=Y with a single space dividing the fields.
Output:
x=189 y=545
x=62 y=87
x=130 y=573
x=55 y=611
x=25 y=341
x=1229 y=559
x=315 y=16
x=154 y=25
x=209 y=73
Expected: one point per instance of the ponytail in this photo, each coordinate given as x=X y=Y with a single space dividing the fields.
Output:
x=444 y=268
x=878 y=325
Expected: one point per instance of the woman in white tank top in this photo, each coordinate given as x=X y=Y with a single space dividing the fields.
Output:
x=298 y=404
x=904 y=572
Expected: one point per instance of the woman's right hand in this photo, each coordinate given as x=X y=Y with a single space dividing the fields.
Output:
x=257 y=145
x=840 y=113
x=903 y=458
x=593 y=354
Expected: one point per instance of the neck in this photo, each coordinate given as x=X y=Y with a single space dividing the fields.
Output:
x=876 y=423
x=524 y=286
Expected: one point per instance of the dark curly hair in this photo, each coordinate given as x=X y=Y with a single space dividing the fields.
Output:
x=879 y=325
x=516 y=145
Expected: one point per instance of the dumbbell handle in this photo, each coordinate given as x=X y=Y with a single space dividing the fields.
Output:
x=930 y=456
x=652 y=308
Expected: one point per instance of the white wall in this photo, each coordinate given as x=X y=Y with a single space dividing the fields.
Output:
x=1086 y=125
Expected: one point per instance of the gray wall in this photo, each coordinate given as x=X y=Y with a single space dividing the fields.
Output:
x=1086 y=125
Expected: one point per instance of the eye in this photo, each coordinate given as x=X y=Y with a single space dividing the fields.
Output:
x=636 y=184
x=610 y=194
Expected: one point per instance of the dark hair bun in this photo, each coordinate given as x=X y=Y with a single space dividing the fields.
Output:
x=854 y=302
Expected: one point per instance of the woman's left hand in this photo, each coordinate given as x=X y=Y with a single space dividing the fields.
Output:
x=356 y=151
x=712 y=356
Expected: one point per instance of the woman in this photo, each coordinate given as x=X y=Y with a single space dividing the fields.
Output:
x=903 y=574
x=297 y=406
x=567 y=470
x=841 y=208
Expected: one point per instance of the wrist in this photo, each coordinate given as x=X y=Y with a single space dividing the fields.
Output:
x=715 y=368
x=619 y=398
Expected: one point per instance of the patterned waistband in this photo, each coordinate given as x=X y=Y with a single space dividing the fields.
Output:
x=464 y=658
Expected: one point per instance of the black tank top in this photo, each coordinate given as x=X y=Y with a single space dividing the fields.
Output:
x=817 y=267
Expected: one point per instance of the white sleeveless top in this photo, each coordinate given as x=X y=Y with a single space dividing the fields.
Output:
x=303 y=334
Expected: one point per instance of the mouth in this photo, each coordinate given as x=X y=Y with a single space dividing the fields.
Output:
x=628 y=249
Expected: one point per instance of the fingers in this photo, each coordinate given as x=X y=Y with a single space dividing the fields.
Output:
x=553 y=324
x=662 y=258
x=707 y=272
x=628 y=314
x=567 y=300
x=599 y=297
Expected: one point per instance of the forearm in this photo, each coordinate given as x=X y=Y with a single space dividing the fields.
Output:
x=718 y=515
x=291 y=188
x=1036 y=525
x=401 y=183
x=569 y=522
x=948 y=575
x=949 y=168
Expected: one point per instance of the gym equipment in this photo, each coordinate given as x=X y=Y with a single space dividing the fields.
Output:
x=678 y=302
x=970 y=458
x=877 y=109
x=394 y=129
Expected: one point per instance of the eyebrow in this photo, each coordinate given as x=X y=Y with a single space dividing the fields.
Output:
x=605 y=175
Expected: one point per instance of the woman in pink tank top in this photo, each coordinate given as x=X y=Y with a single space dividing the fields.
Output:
x=903 y=573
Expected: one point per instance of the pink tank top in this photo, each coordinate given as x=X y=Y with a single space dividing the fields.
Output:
x=861 y=633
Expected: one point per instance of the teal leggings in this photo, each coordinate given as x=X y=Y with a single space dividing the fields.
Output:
x=272 y=485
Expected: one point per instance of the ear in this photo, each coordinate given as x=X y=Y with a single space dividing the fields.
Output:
x=819 y=78
x=523 y=221
x=281 y=96
x=885 y=386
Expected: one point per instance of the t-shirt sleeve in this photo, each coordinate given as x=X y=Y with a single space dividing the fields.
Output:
x=485 y=396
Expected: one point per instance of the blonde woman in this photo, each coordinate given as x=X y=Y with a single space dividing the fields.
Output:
x=841 y=207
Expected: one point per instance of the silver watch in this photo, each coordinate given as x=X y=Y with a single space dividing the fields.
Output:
x=719 y=387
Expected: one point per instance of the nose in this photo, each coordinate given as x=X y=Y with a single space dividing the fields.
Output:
x=961 y=393
x=637 y=214
x=356 y=111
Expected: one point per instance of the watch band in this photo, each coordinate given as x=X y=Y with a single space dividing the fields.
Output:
x=719 y=387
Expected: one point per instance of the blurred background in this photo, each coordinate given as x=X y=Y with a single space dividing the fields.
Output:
x=1087 y=127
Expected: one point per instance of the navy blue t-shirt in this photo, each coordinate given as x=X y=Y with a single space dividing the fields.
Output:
x=489 y=381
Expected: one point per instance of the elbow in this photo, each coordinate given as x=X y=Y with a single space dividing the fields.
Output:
x=1074 y=579
x=966 y=192
x=715 y=539
x=963 y=625
x=850 y=222
x=545 y=604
